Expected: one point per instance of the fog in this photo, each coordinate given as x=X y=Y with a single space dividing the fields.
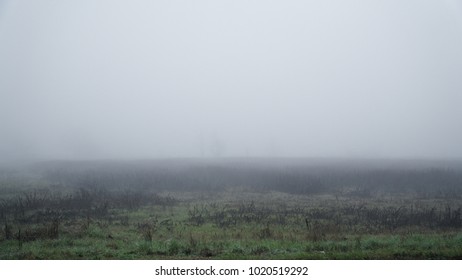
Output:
x=161 y=79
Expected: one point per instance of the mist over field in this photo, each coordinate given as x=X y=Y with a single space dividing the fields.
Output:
x=231 y=129
x=83 y=80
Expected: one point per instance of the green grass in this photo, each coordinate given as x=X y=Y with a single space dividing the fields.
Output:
x=370 y=247
x=258 y=231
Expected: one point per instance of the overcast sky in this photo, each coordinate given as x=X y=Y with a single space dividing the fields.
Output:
x=145 y=79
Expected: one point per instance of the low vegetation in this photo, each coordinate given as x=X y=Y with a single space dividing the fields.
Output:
x=232 y=209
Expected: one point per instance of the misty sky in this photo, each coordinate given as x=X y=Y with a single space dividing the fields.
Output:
x=145 y=79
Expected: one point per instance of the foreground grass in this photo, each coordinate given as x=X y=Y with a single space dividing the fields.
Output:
x=368 y=247
x=179 y=232
x=232 y=209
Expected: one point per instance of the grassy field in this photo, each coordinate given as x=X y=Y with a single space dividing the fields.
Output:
x=239 y=209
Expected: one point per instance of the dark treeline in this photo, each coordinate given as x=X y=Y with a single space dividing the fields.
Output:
x=297 y=176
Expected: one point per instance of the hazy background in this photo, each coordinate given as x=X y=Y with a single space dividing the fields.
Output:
x=144 y=79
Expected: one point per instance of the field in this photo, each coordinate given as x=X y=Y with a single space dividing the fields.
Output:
x=232 y=209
